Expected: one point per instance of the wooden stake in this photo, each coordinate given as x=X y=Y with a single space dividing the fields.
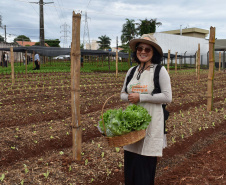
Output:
x=168 y=61
x=176 y=62
x=12 y=65
x=211 y=69
x=26 y=63
x=198 y=63
x=33 y=58
x=116 y=63
x=219 y=61
x=75 y=87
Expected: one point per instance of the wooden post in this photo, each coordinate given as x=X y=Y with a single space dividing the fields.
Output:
x=21 y=57
x=219 y=61
x=102 y=61
x=12 y=65
x=211 y=69
x=168 y=61
x=26 y=63
x=75 y=87
x=33 y=58
x=109 y=62
x=176 y=62
x=116 y=61
x=198 y=63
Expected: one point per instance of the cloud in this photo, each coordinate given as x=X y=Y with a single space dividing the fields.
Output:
x=107 y=17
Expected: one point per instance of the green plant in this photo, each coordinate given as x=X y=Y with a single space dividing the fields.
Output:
x=70 y=169
x=119 y=122
x=86 y=161
x=2 y=177
x=117 y=149
x=102 y=154
x=46 y=174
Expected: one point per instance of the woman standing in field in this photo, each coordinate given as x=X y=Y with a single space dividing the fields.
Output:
x=140 y=158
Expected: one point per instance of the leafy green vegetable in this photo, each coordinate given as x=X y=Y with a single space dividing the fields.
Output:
x=118 y=122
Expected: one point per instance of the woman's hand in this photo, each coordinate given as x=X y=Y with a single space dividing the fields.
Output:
x=134 y=98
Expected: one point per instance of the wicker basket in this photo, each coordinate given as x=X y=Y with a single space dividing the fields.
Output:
x=125 y=139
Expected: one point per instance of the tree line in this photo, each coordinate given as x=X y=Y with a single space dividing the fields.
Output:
x=130 y=30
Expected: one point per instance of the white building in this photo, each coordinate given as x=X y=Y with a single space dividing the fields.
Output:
x=183 y=45
x=93 y=45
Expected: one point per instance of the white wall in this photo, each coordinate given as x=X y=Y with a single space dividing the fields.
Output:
x=181 y=44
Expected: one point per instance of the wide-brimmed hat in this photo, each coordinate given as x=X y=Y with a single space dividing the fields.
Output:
x=147 y=39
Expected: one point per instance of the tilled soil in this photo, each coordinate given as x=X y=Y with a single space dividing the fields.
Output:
x=36 y=137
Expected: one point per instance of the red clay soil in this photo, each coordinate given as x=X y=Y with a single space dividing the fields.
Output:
x=35 y=132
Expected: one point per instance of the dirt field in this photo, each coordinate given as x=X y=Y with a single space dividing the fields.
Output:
x=36 y=140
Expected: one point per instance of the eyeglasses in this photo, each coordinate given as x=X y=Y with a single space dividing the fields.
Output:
x=146 y=50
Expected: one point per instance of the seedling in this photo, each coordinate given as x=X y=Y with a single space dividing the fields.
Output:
x=2 y=177
x=173 y=140
x=108 y=172
x=70 y=168
x=102 y=154
x=117 y=149
x=86 y=161
x=46 y=174
x=25 y=169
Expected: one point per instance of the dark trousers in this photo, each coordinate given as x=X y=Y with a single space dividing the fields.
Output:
x=139 y=169
x=5 y=63
x=37 y=65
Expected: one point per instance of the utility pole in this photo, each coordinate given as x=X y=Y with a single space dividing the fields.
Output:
x=65 y=33
x=41 y=15
x=5 y=32
x=116 y=61
x=0 y=21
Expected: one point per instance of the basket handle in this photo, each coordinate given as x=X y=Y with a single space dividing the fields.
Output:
x=102 y=111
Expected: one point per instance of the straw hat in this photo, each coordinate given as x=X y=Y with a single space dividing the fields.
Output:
x=147 y=39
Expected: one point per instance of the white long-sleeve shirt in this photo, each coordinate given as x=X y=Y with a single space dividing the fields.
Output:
x=37 y=57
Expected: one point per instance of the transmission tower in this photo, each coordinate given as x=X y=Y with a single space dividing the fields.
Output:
x=65 y=31
x=86 y=39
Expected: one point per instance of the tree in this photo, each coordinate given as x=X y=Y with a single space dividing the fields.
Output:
x=81 y=46
x=53 y=42
x=128 y=31
x=1 y=38
x=104 y=42
x=22 y=38
x=125 y=48
x=147 y=26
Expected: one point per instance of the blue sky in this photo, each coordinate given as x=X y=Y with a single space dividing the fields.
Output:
x=107 y=17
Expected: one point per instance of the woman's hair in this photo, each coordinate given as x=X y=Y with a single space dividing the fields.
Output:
x=156 y=58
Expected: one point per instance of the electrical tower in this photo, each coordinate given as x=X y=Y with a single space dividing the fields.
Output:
x=64 y=27
x=86 y=39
